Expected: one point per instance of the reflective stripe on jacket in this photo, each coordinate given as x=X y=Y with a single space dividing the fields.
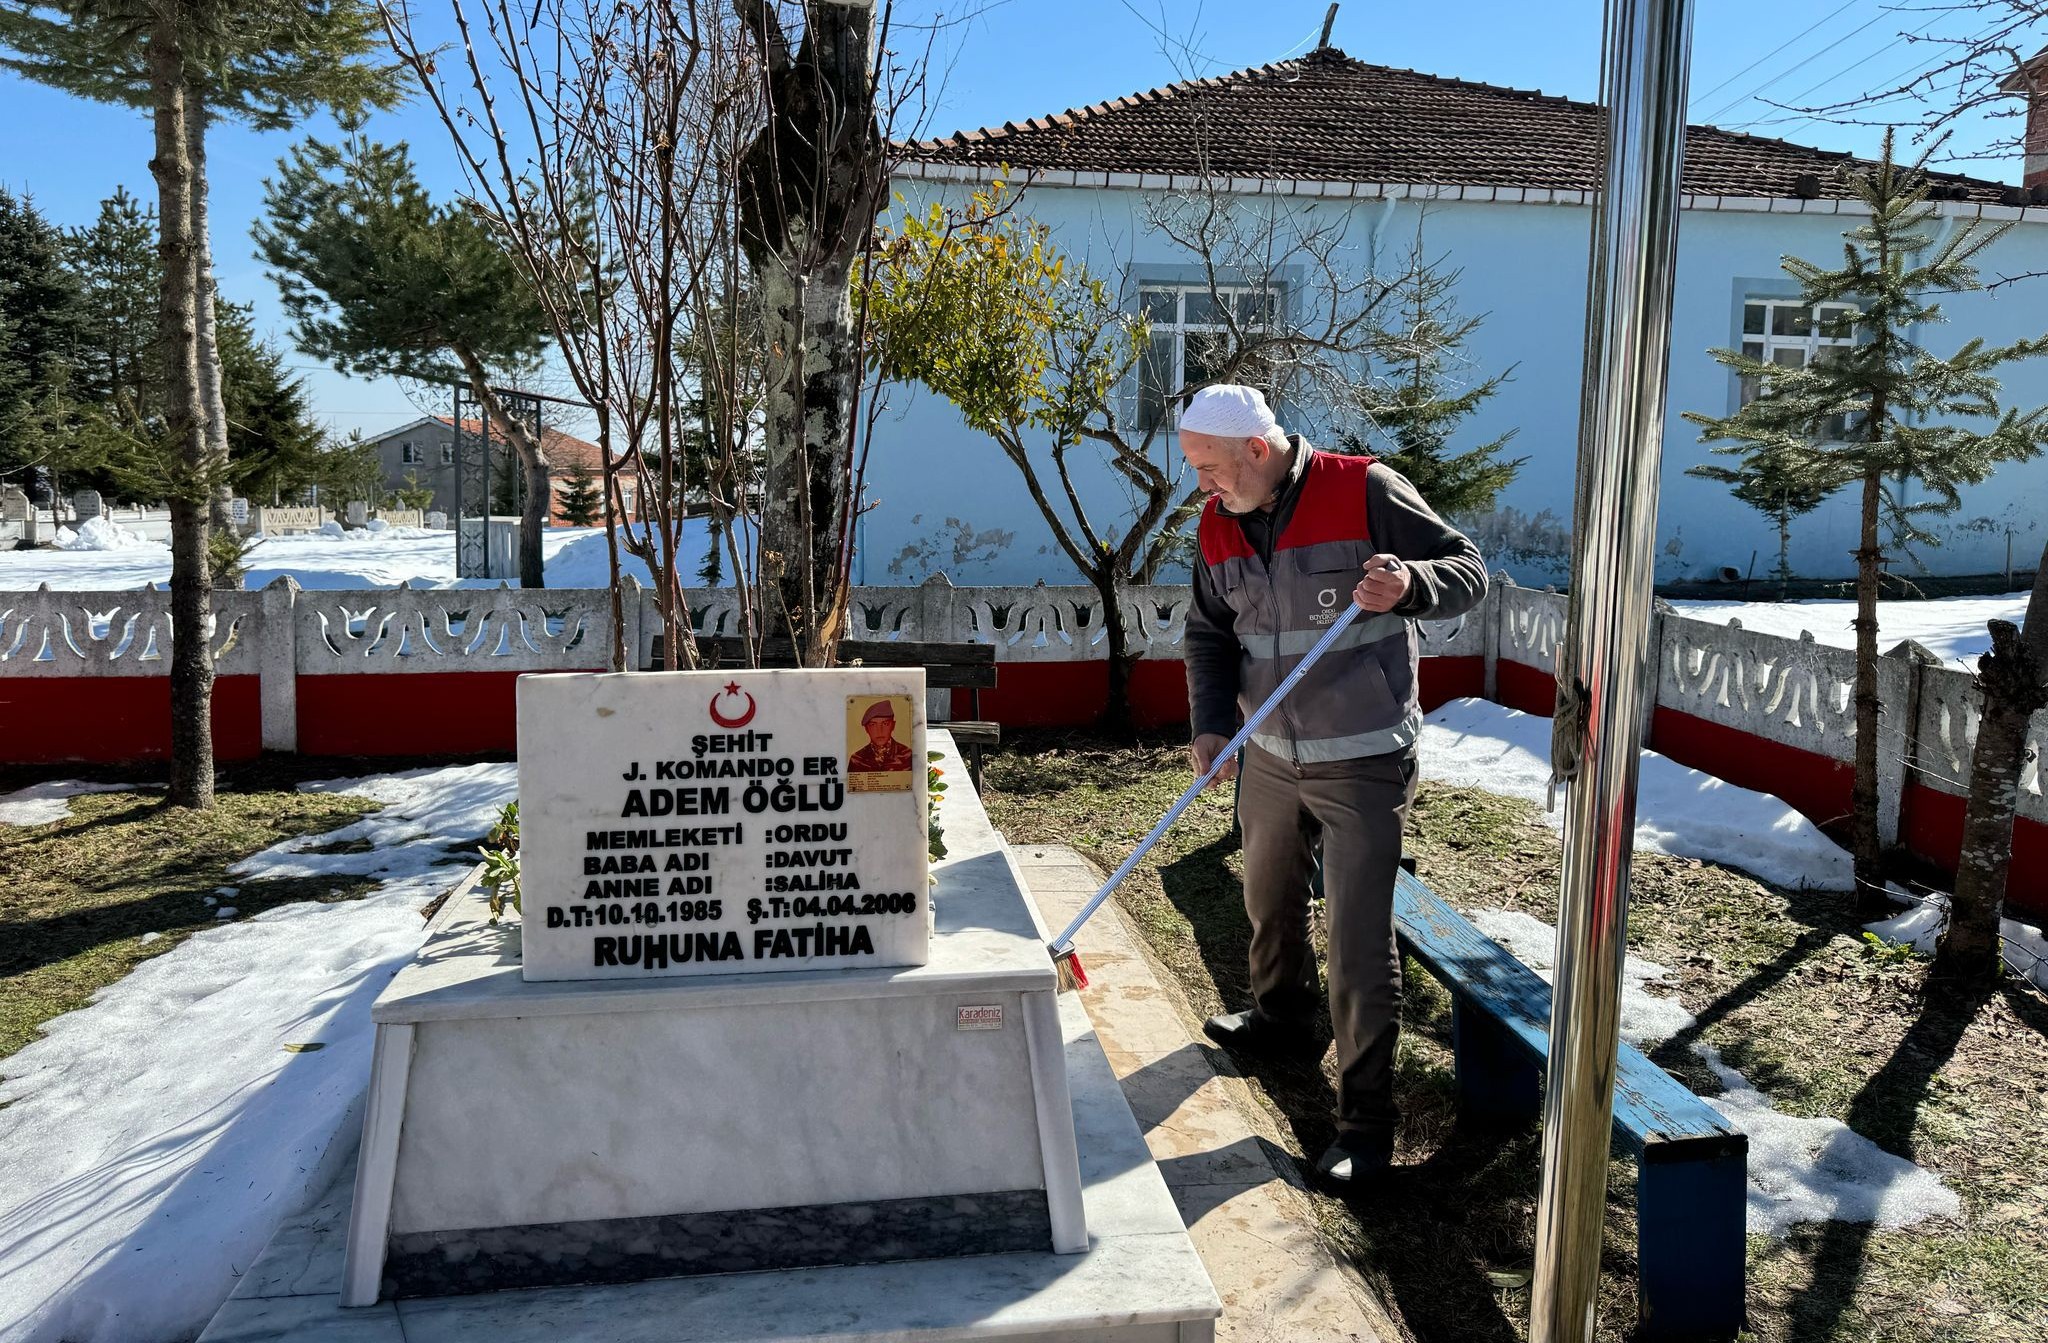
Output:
x=1360 y=699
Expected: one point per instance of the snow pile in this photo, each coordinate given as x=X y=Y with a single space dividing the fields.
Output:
x=1475 y=743
x=1820 y=1170
x=337 y=557
x=42 y=803
x=1919 y=927
x=1952 y=628
x=1645 y=1018
x=1800 y=1170
x=151 y=1142
x=101 y=534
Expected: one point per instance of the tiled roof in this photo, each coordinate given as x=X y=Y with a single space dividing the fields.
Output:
x=1328 y=117
x=563 y=450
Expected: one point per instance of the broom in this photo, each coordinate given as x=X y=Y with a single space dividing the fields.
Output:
x=1066 y=960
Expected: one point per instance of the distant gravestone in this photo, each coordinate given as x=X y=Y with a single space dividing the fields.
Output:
x=438 y=520
x=86 y=505
x=14 y=505
x=238 y=512
x=358 y=514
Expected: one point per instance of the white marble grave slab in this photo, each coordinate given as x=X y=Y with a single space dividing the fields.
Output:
x=694 y=823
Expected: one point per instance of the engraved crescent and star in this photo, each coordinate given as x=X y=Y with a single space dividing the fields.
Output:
x=732 y=688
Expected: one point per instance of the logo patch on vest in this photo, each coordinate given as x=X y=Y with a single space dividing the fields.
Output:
x=1327 y=600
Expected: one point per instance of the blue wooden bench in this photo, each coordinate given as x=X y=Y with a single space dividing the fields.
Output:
x=1692 y=1167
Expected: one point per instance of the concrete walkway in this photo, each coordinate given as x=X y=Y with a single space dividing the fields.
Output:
x=1254 y=1230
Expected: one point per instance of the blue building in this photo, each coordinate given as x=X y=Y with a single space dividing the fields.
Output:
x=1336 y=165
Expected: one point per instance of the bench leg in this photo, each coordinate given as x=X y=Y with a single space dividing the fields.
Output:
x=1690 y=1248
x=1497 y=1086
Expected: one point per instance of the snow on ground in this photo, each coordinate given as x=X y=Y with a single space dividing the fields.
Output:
x=1645 y=1017
x=152 y=1141
x=42 y=803
x=1800 y=1170
x=360 y=558
x=1952 y=628
x=1821 y=1170
x=1920 y=925
x=1475 y=743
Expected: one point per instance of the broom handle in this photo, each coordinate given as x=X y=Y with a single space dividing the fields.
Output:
x=1064 y=943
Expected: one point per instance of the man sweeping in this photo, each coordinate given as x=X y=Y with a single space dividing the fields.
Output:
x=1290 y=534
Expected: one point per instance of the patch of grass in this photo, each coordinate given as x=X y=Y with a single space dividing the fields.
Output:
x=1782 y=984
x=78 y=895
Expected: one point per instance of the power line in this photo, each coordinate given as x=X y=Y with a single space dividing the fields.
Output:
x=1891 y=82
x=1790 y=70
x=1699 y=98
x=1865 y=61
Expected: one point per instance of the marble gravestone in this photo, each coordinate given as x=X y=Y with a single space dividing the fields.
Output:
x=695 y=823
x=740 y=1023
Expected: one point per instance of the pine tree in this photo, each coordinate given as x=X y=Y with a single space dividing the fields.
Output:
x=378 y=279
x=42 y=324
x=1882 y=413
x=1414 y=403
x=349 y=470
x=413 y=493
x=581 y=505
x=188 y=63
x=115 y=261
x=273 y=442
x=1775 y=488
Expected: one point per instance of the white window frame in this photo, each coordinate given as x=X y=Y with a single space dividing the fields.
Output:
x=408 y=454
x=1791 y=332
x=447 y=454
x=1174 y=326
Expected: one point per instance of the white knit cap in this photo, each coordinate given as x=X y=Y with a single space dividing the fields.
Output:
x=1228 y=410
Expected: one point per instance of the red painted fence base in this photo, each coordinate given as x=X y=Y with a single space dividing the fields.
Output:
x=1071 y=694
x=419 y=713
x=116 y=719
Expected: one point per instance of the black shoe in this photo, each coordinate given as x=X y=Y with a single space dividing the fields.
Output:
x=1354 y=1162
x=1259 y=1035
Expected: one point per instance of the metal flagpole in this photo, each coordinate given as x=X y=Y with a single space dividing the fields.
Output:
x=1607 y=659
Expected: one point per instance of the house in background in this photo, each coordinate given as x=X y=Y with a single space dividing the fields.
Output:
x=426 y=448
x=1500 y=182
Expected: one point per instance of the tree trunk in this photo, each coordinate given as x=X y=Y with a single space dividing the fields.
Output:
x=178 y=349
x=2013 y=677
x=1784 y=555
x=534 y=517
x=205 y=294
x=533 y=462
x=809 y=185
x=1117 y=718
x=1865 y=845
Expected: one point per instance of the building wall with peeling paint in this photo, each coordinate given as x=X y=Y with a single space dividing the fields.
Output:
x=943 y=499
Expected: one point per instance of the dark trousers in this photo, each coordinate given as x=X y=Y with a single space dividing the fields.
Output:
x=1357 y=809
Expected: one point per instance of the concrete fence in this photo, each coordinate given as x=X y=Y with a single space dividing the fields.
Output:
x=83 y=676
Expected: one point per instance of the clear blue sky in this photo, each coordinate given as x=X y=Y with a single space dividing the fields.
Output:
x=1023 y=58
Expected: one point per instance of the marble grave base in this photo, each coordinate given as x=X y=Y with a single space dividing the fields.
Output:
x=1138 y=1281
x=534 y=1134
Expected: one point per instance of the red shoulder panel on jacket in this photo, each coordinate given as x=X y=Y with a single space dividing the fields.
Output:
x=1332 y=503
x=1222 y=539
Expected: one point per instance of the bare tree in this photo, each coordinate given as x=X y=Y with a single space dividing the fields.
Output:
x=810 y=183
x=1958 y=79
x=601 y=142
x=686 y=195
